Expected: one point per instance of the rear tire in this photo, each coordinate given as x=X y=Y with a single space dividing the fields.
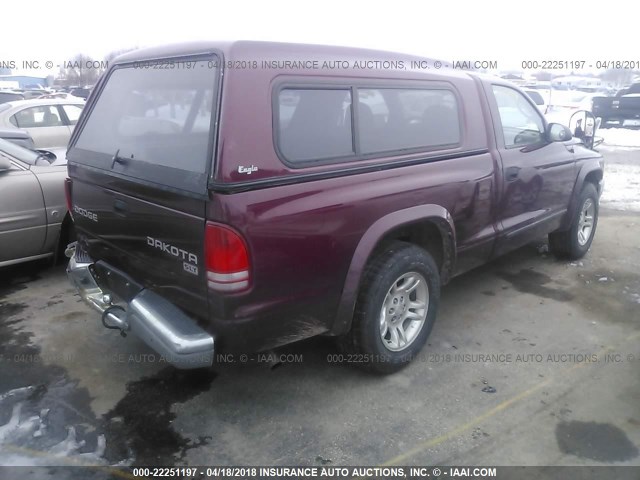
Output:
x=396 y=309
x=575 y=242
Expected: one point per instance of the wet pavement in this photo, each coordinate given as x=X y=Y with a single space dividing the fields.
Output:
x=532 y=361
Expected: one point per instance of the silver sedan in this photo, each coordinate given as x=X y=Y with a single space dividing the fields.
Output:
x=34 y=221
x=50 y=122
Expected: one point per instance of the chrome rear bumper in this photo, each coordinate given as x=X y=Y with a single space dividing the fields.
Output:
x=156 y=321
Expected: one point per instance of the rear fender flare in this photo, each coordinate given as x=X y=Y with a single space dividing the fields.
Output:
x=435 y=214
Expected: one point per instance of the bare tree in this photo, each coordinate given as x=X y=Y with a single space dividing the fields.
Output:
x=80 y=70
x=618 y=76
x=83 y=70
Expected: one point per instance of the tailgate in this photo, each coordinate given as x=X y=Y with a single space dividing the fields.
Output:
x=157 y=246
x=139 y=163
x=629 y=107
x=601 y=106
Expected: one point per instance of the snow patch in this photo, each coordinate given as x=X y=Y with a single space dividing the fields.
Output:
x=619 y=137
x=16 y=436
x=621 y=186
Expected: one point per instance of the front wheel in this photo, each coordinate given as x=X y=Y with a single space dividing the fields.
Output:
x=575 y=242
x=396 y=308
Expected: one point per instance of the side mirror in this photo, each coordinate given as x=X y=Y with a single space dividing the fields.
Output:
x=556 y=132
x=5 y=164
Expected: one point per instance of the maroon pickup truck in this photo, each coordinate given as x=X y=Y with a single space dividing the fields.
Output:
x=235 y=197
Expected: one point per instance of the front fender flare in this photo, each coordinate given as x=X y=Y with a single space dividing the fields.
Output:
x=590 y=168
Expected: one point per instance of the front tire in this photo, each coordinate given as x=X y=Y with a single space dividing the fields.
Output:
x=575 y=242
x=395 y=310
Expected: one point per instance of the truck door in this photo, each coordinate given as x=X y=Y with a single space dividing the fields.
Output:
x=537 y=175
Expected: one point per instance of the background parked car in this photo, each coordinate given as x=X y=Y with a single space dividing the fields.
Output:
x=10 y=96
x=49 y=122
x=81 y=92
x=623 y=110
x=563 y=104
x=19 y=137
x=30 y=93
x=61 y=95
x=540 y=98
x=34 y=220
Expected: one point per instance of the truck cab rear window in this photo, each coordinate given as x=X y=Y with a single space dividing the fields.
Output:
x=157 y=120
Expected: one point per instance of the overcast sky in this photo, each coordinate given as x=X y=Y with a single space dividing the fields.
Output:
x=508 y=32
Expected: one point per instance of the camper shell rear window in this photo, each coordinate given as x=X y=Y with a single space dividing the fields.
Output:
x=153 y=124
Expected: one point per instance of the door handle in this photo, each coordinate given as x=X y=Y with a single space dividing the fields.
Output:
x=569 y=148
x=511 y=173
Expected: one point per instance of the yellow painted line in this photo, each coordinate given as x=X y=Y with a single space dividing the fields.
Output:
x=498 y=408
x=467 y=426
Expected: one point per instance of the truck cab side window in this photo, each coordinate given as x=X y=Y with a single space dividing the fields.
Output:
x=407 y=118
x=521 y=123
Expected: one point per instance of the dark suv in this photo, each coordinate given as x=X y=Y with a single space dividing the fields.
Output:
x=238 y=197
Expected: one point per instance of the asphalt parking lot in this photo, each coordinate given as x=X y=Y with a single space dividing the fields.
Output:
x=533 y=361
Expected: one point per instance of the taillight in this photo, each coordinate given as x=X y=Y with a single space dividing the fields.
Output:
x=67 y=194
x=227 y=259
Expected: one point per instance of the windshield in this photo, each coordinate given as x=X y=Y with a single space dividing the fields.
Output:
x=18 y=152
